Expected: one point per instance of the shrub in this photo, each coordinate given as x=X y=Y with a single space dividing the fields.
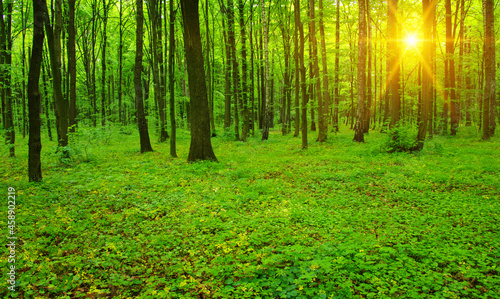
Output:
x=400 y=139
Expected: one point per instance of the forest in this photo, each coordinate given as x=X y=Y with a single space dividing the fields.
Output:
x=249 y=149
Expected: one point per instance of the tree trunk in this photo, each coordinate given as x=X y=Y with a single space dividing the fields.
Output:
x=265 y=123
x=72 y=66
x=428 y=8
x=359 y=127
x=103 y=64
x=171 y=79
x=297 y=67
x=227 y=77
x=367 y=113
x=201 y=145
x=305 y=96
x=489 y=70
x=323 y=132
x=209 y=75
x=244 y=86
x=10 y=133
x=141 y=118
x=337 y=69
x=120 y=64
x=450 y=72
x=394 y=63
x=34 y=97
x=54 y=43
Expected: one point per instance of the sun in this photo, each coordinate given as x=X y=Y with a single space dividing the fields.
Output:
x=411 y=40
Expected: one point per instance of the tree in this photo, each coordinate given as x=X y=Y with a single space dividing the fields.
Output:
x=450 y=92
x=337 y=69
x=393 y=64
x=360 y=116
x=201 y=145
x=265 y=123
x=103 y=63
x=489 y=70
x=34 y=97
x=171 y=79
x=297 y=68
x=428 y=8
x=72 y=66
x=141 y=118
x=305 y=96
x=54 y=45
x=244 y=72
x=323 y=111
x=6 y=59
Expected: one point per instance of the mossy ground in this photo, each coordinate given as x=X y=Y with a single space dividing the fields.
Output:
x=338 y=220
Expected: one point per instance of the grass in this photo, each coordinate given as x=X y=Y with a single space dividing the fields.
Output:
x=338 y=220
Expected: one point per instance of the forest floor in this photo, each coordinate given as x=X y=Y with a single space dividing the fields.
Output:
x=338 y=220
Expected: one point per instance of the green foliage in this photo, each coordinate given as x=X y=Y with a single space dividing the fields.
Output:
x=400 y=139
x=269 y=221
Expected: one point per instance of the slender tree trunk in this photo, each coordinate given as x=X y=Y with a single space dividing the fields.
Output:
x=394 y=63
x=171 y=79
x=227 y=72
x=54 y=43
x=296 y=12
x=10 y=134
x=305 y=96
x=209 y=74
x=244 y=86
x=367 y=112
x=103 y=63
x=337 y=69
x=141 y=118
x=252 y=88
x=323 y=132
x=450 y=72
x=489 y=70
x=428 y=8
x=265 y=123
x=120 y=64
x=362 y=36
x=201 y=145
x=34 y=97
x=47 y=102
x=72 y=66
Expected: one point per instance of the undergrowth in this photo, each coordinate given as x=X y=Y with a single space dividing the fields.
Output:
x=338 y=220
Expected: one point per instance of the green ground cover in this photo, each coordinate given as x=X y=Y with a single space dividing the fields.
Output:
x=338 y=220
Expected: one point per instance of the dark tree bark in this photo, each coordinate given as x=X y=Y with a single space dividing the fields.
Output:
x=72 y=66
x=6 y=47
x=489 y=70
x=359 y=127
x=171 y=79
x=265 y=123
x=428 y=7
x=34 y=97
x=54 y=43
x=201 y=145
x=323 y=111
x=141 y=118
x=393 y=63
